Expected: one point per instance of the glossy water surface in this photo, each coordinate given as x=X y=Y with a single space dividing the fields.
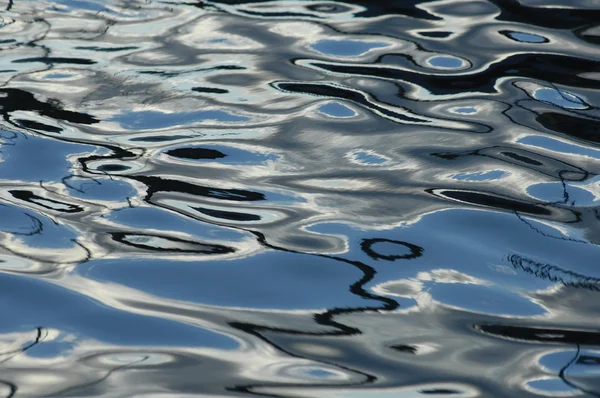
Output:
x=300 y=198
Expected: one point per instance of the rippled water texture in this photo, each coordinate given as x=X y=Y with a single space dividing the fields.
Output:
x=299 y=198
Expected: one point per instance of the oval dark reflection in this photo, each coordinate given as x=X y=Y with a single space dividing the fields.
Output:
x=196 y=153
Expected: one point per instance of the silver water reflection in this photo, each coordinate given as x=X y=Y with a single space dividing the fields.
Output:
x=299 y=198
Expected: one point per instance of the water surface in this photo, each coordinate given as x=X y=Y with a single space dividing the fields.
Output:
x=299 y=198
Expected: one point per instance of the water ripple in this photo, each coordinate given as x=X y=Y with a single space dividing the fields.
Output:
x=299 y=198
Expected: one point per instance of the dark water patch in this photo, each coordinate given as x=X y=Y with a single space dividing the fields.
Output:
x=573 y=126
x=47 y=203
x=440 y=391
x=32 y=124
x=521 y=158
x=438 y=35
x=106 y=49
x=560 y=16
x=158 y=184
x=56 y=60
x=160 y=138
x=228 y=215
x=541 y=334
x=112 y=168
x=405 y=349
x=19 y=100
x=491 y=200
x=588 y=35
x=211 y=90
x=196 y=153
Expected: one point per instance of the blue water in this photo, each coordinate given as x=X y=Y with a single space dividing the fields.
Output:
x=299 y=199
